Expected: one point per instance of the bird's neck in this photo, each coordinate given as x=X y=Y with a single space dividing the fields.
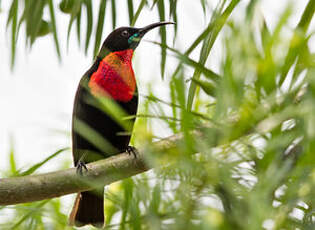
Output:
x=114 y=77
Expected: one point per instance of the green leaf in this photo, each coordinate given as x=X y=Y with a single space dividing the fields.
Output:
x=140 y=8
x=302 y=27
x=193 y=46
x=114 y=13
x=161 y=9
x=267 y=65
x=99 y=29
x=130 y=10
x=173 y=101
x=22 y=19
x=203 y=4
x=250 y=9
x=33 y=20
x=173 y=14
x=156 y=200
x=38 y=165
x=89 y=13
x=37 y=208
x=53 y=25
x=207 y=86
x=13 y=171
x=265 y=33
x=307 y=16
x=13 y=14
x=66 y=6
x=185 y=59
x=128 y=186
x=92 y=136
x=79 y=26
x=114 y=110
x=75 y=13
x=218 y=23
x=44 y=29
x=153 y=4
x=12 y=11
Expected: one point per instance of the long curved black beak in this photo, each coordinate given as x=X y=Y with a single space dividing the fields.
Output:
x=144 y=30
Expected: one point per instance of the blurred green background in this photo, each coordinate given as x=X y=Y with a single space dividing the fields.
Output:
x=241 y=73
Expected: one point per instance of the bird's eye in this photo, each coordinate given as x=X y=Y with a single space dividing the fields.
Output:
x=125 y=33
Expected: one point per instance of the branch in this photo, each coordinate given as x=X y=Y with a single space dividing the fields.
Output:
x=49 y=185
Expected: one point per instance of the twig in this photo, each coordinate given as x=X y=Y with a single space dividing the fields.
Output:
x=55 y=184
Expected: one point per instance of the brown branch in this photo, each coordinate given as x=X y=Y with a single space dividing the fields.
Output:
x=49 y=185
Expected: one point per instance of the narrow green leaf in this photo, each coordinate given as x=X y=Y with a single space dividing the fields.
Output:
x=153 y=98
x=161 y=117
x=218 y=23
x=186 y=117
x=99 y=29
x=161 y=9
x=114 y=13
x=250 y=9
x=13 y=14
x=155 y=200
x=53 y=25
x=173 y=101
x=140 y=7
x=112 y=109
x=25 y=217
x=89 y=12
x=172 y=7
x=44 y=29
x=128 y=186
x=79 y=26
x=12 y=11
x=38 y=165
x=12 y=158
x=153 y=4
x=307 y=16
x=75 y=14
x=22 y=19
x=72 y=18
x=207 y=86
x=130 y=10
x=203 y=4
x=66 y=6
x=173 y=14
x=94 y=137
x=185 y=59
x=302 y=26
x=192 y=47
x=265 y=33
x=34 y=19
x=116 y=112
x=267 y=65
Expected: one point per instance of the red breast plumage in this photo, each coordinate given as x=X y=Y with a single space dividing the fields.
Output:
x=114 y=77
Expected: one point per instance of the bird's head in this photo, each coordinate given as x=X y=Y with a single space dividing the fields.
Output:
x=124 y=38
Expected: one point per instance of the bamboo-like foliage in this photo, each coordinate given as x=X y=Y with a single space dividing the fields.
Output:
x=30 y=14
x=255 y=163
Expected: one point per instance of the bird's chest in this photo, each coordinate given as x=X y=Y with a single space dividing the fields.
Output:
x=114 y=77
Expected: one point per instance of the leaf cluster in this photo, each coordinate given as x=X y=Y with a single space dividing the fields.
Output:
x=253 y=166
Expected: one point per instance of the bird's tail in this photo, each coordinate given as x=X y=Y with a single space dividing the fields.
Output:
x=88 y=209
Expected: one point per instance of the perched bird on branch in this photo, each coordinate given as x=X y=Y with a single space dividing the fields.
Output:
x=97 y=132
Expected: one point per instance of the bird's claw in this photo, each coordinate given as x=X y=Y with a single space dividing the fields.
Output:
x=80 y=166
x=132 y=150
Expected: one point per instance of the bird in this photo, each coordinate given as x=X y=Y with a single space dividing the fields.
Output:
x=96 y=134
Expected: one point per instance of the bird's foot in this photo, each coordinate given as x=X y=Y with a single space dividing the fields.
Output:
x=80 y=166
x=132 y=150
